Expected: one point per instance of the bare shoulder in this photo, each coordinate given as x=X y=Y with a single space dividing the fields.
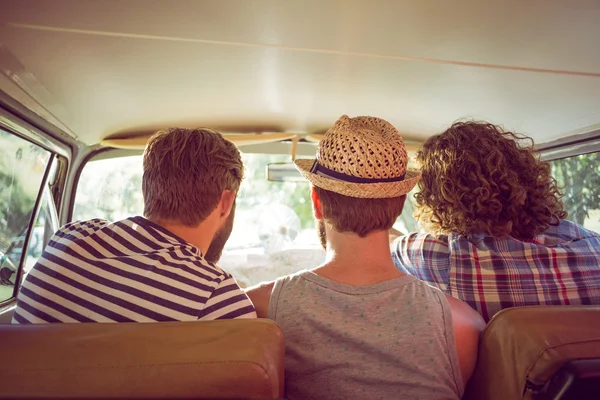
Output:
x=467 y=326
x=260 y=296
x=464 y=316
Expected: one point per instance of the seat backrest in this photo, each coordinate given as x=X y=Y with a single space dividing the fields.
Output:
x=522 y=348
x=6 y=313
x=215 y=359
x=576 y=380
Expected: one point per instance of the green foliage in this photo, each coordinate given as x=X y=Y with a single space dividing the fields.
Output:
x=15 y=209
x=22 y=167
x=579 y=178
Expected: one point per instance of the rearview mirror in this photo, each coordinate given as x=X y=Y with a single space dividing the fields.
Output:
x=283 y=172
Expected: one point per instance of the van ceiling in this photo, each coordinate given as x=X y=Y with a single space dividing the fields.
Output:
x=119 y=67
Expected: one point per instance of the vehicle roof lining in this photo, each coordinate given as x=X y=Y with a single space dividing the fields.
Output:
x=101 y=69
x=304 y=150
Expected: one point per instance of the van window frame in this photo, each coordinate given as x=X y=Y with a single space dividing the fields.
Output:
x=570 y=146
x=60 y=157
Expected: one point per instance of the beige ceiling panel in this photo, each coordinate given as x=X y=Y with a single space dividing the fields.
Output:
x=115 y=66
x=547 y=34
x=12 y=88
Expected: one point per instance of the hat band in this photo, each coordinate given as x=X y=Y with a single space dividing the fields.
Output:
x=339 y=176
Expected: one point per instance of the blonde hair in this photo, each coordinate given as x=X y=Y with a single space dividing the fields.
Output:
x=186 y=172
x=476 y=178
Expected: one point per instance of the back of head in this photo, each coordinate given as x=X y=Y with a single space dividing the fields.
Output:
x=476 y=178
x=357 y=215
x=185 y=173
x=360 y=175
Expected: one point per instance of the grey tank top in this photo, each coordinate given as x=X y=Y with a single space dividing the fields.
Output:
x=390 y=340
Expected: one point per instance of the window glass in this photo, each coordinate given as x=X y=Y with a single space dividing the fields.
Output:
x=273 y=235
x=274 y=232
x=579 y=178
x=110 y=189
x=22 y=169
x=406 y=222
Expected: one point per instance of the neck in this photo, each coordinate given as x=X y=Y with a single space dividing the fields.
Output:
x=355 y=260
x=198 y=236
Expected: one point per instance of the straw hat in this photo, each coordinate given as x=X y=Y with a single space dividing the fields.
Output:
x=361 y=157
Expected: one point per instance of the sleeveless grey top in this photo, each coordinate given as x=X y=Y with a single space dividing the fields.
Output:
x=390 y=340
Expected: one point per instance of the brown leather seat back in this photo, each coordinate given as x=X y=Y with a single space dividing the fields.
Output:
x=522 y=348
x=217 y=359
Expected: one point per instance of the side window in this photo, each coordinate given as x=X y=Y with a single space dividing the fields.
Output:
x=579 y=177
x=23 y=167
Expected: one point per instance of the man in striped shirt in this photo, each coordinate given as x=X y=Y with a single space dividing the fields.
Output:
x=160 y=267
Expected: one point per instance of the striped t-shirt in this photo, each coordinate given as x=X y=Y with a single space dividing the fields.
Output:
x=128 y=271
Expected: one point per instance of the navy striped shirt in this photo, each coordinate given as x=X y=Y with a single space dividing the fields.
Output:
x=128 y=271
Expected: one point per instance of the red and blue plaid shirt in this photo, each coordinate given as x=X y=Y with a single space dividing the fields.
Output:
x=559 y=267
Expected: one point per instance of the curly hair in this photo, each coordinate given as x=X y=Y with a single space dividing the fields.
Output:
x=478 y=178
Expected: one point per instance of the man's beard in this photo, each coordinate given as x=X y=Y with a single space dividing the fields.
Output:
x=215 y=250
x=322 y=234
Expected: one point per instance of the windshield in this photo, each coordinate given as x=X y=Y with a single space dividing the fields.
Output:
x=274 y=232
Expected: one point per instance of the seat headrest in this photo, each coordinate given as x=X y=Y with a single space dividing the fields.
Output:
x=523 y=347
x=231 y=359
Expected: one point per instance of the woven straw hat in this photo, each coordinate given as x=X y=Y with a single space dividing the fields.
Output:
x=361 y=157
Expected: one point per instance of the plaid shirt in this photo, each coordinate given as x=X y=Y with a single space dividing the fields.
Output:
x=559 y=267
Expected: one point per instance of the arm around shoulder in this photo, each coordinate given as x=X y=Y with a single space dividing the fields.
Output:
x=260 y=295
x=468 y=325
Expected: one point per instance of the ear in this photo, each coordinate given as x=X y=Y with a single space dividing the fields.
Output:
x=226 y=203
x=316 y=201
